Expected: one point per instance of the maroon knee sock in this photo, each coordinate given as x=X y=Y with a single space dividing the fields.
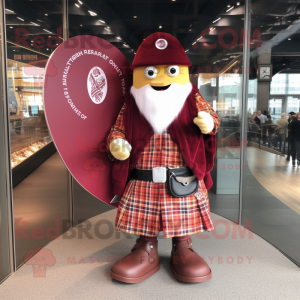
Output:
x=148 y=238
x=180 y=238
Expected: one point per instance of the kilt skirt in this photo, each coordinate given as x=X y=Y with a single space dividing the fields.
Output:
x=146 y=208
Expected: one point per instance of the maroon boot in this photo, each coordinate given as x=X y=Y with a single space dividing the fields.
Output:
x=186 y=265
x=141 y=263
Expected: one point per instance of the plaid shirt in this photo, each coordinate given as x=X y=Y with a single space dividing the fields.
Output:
x=146 y=207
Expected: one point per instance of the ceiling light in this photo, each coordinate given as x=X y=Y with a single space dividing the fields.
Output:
x=10 y=27
x=39 y=20
x=46 y=15
x=277 y=17
x=238 y=3
x=225 y=58
x=20 y=19
x=81 y=25
x=77 y=5
x=261 y=26
x=199 y=38
x=173 y=0
x=242 y=18
x=283 y=64
x=47 y=31
x=47 y=49
x=92 y=13
x=159 y=26
x=232 y=56
x=14 y=50
x=228 y=5
x=134 y=17
x=214 y=62
x=107 y=28
x=289 y=21
x=125 y=45
x=10 y=10
x=289 y=39
x=79 y=1
x=230 y=9
x=190 y=29
x=102 y=21
x=216 y=20
x=35 y=24
x=118 y=38
x=186 y=50
x=194 y=43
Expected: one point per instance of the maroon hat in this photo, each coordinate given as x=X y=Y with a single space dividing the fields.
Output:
x=160 y=48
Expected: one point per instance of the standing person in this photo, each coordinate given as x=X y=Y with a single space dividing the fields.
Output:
x=263 y=119
x=253 y=127
x=255 y=118
x=290 y=119
x=295 y=130
x=282 y=132
x=271 y=128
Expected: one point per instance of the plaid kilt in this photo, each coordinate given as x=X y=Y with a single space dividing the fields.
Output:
x=147 y=208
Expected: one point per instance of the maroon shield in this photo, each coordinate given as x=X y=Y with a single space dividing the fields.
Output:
x=85 y=81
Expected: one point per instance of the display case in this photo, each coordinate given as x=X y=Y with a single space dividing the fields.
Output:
x=27 y=123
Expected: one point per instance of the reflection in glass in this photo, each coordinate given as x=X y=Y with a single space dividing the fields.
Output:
x=30 y=40
x=271 y=205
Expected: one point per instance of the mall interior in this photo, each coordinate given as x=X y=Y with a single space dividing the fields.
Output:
x=245 y=61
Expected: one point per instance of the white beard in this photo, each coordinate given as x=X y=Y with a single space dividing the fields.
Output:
x=160 y=108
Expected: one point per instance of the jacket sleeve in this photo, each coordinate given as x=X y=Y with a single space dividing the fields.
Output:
x=202 y=105
x=116 y=132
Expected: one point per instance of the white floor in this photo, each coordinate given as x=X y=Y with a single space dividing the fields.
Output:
x=242 y=268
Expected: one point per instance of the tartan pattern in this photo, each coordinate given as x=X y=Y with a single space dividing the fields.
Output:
x=161 y=151
x=118 y=130
x=145 y=204
x=202 y=105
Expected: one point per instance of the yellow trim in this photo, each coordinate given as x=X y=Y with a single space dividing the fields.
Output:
x=28 y=49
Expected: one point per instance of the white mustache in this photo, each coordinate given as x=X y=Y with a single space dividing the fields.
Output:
x=160 y=108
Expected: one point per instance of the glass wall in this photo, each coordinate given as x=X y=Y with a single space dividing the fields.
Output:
x=34 y=30
x=41 y=200
x=5 y=221
x=271 y=206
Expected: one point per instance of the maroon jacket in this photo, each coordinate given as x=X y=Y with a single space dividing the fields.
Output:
x=198 y=150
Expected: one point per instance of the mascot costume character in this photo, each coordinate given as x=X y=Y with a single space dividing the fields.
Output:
x=162 y=146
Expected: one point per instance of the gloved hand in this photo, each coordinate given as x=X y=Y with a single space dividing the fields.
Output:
x=204 y=121
x=120 y=149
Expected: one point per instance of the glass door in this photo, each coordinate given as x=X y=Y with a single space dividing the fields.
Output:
x=293 y=104
x=275 y=108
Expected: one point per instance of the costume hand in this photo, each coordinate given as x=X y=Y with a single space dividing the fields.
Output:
x=204 y=121
x=120 y=149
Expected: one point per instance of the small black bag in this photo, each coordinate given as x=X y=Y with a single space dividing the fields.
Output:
x=182 y=182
